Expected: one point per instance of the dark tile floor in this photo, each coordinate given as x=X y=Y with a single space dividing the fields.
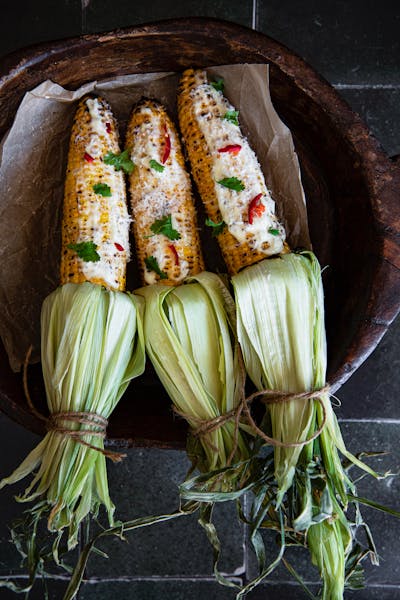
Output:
x=355 y=45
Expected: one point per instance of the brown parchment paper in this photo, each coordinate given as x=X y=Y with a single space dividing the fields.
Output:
x=33 y=158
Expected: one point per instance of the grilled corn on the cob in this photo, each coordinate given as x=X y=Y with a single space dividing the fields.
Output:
x=227 y=174
x=280 y=327
x=164 y=218
x=95 y=210
x=91 y=336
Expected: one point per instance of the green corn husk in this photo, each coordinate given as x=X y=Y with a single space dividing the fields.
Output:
x=190 y=343
x=188 y=333
x=280 y=317
x=281 y=332
x=92 y=346
x=330 y=543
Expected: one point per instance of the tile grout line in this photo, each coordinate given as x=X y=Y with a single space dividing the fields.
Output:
x=156 y=578
x=186 y=579
x=279 y=582
x=367 y=86
x=84 y=5
x=23 y=577
x=378 y=421
x=254 y=15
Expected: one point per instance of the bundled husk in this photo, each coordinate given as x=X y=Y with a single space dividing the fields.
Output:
x=190 y=342
x=280 y=317
x=92 y=346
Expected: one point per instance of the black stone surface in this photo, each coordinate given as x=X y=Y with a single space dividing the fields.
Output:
x=380 y=109
x=347 y=42
x=373 y=391
x=15 y=445
x=178 y=547
x=104 y=15
x=360 y=436
x=25 y=22
x=151 y=590
x=49 y=589
x=355 y=45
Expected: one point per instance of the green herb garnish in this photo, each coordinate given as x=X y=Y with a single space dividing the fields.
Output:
x=232 y=116
x=273 y=231
x=217 y=228
x=103 y=189
x=152 y=265
x=218 y=85
x=233 y=183
x=164 y=226
x=119 y=161
x=156 y=166
x=87 y=251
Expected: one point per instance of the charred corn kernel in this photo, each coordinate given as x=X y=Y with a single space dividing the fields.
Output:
x=227 y=173
x=164 y=218
x=95 y=226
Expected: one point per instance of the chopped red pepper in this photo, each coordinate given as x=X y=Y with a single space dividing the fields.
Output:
x=108 y=127
x=256 y=208
x=118 y=246
x=174 y=252
x=167 y=146
x=231 y=148
x=88 y=158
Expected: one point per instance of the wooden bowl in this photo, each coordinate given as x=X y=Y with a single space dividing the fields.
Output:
x=352 y=191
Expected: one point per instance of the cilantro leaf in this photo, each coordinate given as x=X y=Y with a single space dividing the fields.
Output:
x=86 y=251
x=119 y=161
x=232 y=116
x=164 y=226
x=103 y=189
x=273 y=231
x=217 y=228
x=156 y=166
x=218 y=85
x=152 y=265
x=233 y=183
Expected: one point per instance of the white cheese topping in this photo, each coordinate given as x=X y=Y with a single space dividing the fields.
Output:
x=159 y=194
x=97 y=123
x=104 y=219
x=234 y=205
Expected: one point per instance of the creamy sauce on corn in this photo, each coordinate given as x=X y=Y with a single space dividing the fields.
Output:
x=209 y=107
x=159 y=194
x=97 y=120
x=103 y=220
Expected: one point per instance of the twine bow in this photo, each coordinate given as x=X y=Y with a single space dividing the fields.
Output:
x=95 y=425
x=207 y=426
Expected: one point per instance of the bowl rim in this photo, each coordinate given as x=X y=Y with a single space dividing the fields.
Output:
x=382 y=176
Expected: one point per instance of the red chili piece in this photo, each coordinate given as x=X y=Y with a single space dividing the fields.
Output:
x=232 y=148
x=256 y=208
x=88 y=158
x=108 y=127
x=167 y=146
x=118 y=246
x=174 y=252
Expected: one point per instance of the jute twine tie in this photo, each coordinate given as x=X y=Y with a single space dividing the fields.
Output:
x=268 y=396
x=94 y=424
